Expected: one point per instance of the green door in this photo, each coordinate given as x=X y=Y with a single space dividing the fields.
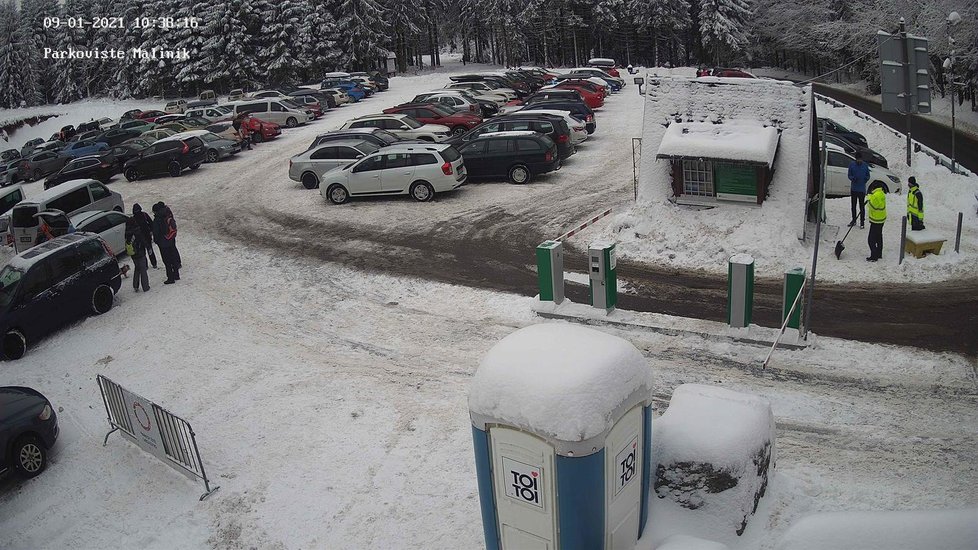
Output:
x=736 y=182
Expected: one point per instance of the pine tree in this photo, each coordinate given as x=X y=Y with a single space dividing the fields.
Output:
x=16 y=86
x=723 y=25
x=36 y=38
x=123 y=82
x=362 y=32
x=318 y=48
x=282 y=54
x=69 y=80
x=191 y=73
x=229 y=44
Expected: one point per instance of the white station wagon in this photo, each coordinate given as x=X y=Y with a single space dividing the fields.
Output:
x=402 y=126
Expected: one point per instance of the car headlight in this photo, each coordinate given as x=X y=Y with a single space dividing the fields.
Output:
x=893 y=178
x=46 y=413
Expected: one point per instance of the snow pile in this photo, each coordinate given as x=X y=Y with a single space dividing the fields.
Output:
x=686 y=542
x=559 y=380
x=905 y=530
x=736 y=140
x=713 y=449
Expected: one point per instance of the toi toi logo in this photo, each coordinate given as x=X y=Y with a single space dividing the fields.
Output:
x=525 y=486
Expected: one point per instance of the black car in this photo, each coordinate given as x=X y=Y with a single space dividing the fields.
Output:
x=52 y=284
x=326 y=101
x=118 y=155
x=553 y=126
x=88 y=135
x=28 y=430
x=577 y=109
x=868 y=154
x=554 y=93
x=131 y=113
x=116 y=136
x=167 y=157
x=92 y=167
x=89 y=126
x=9 y=154
x=518 y=156
x=376 y=136
x=521 y=89
x=852 y=137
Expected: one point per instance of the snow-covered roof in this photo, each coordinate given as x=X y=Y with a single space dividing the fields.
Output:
x=734 y=140
x=560 y=381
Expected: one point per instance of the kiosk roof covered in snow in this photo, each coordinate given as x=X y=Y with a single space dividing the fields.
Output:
x=746 y=141
x=561 y=382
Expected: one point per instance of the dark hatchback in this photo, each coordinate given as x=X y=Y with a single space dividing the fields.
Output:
x=96 y=168
x=116 y=136
x=28 y=430
x=52 y=284
x=577 y=109
x=552 y=126
x=518 y=156
x=167 y=156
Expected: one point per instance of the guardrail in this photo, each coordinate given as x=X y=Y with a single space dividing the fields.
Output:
x=939 y=159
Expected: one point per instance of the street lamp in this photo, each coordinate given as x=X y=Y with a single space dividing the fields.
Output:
x=952 y=20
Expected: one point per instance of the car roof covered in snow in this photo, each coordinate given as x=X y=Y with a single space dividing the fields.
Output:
x=509 y=133
x=57 y=191
x=31 y=256
x=735 y=140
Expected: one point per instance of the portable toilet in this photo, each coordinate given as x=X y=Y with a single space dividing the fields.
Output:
x=562 y=429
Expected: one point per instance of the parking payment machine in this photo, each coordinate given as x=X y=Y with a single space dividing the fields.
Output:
x=556 y=472
x=603 y=275
x=550 y=271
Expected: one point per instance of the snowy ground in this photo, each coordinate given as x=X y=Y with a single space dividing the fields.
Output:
x=330 y=403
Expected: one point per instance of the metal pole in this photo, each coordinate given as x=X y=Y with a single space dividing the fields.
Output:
x=784 y=326
x=903 y=238
x=818 y=239
x=954 y=164
x=957 y=236
x=906 y=82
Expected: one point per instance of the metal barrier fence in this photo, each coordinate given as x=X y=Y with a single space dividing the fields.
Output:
x=162 y=434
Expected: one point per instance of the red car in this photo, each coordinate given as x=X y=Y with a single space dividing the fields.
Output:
x=259 y=130
x=151 y=115
x=602 y=89
x=434 y=113
x=592 y=99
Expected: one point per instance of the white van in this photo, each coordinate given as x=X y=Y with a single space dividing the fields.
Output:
x=274 y=110
x=9 y=197
x=71 y=197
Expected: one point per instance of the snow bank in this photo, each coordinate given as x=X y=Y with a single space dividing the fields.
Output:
x=713 y=451
x=686 y=542
x=907 y=530
x=558 y=380
x=737 y=140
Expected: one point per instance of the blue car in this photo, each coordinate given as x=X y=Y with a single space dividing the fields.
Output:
x=84 y=148
x=352 y=89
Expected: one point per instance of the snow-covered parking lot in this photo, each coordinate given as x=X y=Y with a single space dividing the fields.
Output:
x=330 y=402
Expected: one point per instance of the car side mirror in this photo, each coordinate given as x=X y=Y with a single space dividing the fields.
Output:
x=359 y=156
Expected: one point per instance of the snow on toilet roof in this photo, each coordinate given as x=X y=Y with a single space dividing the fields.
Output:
x=558 y=380
x=736 y=140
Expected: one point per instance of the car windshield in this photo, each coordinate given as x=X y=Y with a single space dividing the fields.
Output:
x=367 y=148
x=440 y=109
x=210 y=137
x=386 y=136
x=290 y=103
x=224 y=109
x=411 y=122
x=9 y=281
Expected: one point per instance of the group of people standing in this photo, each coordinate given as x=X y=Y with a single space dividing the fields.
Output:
x=876 y=200
x=141 y=232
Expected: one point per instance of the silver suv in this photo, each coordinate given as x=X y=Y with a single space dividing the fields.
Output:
x=419 y=170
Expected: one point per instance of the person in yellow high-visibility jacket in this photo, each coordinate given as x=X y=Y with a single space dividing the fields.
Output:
x=876 y=212
x=915 y=205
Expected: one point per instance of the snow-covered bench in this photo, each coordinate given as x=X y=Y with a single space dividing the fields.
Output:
x=923 y=242
x=713 y=450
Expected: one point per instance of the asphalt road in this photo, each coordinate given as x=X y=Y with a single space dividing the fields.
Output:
x=932 y=134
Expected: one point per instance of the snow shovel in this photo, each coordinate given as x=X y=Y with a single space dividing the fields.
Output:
x=839 y=247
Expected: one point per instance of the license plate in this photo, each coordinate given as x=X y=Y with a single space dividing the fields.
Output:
x=26 y=239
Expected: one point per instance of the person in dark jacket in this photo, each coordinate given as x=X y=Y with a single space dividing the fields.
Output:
x=135 y=238
x=145 y=224
x=165 y=234
x=858 y=176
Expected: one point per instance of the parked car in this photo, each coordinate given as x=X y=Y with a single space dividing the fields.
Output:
x=118 y=155
x=10 y=172
x=204 y=99
x=166 y=157
x=84 y=148
x=495 y=82
x=260 y=129
x=849 y=135
x=116 y=136
x=541 y=95
x=87 y=135
x=108 y=224
x=352 y=89
x=67 y=132
x=850 y=148
x=90 y=126
x=217 y=113
x=326 y=101
x=54 y=145
x=137 y=124
x=309 y=102
x=41 y=164
x=381 y=82
x=217 y=147
x=593 y=71
x=376 y=136
x=274 y=110
x=432 y=113
x=339 y=96
x=419 y=170
x=401 y=126
x=69 y=198
x=158 y=134
x=130 y=114
x=451 y=100
x=265 y=94
x=176 y=117
x=837 y=174
x=593 y=98
x=92 y=167
x=731 y=73
x=577 y=109
x=52 y=284
x=150 y=115
x=29 y=147
x=9 y=154
x=578 y=127
x=237 y=94
x=605 y=64
x=309 y=166
x=486 y=89
x=28 y=430
x=175 y=106
x=518 y=156
x=552 y=126
x=9 y=197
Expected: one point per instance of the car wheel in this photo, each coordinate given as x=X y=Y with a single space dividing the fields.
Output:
x=337 y=194
x=422 y=191
x=14 y=345
x=102 y=299
x=174 y=169
x=132 y=174
x=459 y=130
x=30 y=457
x=195 y=166
x=519 y=174
x=257 y=137
x=36 y=175
x=212 y=156
x=291 y=122
x=310 y=181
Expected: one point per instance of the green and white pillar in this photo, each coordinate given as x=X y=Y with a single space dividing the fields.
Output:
x=603 y=275
x=740 y=290
x=794 y=283
x=550 y=271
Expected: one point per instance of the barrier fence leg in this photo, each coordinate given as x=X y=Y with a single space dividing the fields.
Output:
x=957 y=236
x=550 y=271
x=794 y=283
x=740 y=290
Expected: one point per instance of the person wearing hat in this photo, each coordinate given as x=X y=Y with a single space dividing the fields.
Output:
x=165 y=235
x=858 y=176
x=877 y=216
x=145 y=225
x=915 y=205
